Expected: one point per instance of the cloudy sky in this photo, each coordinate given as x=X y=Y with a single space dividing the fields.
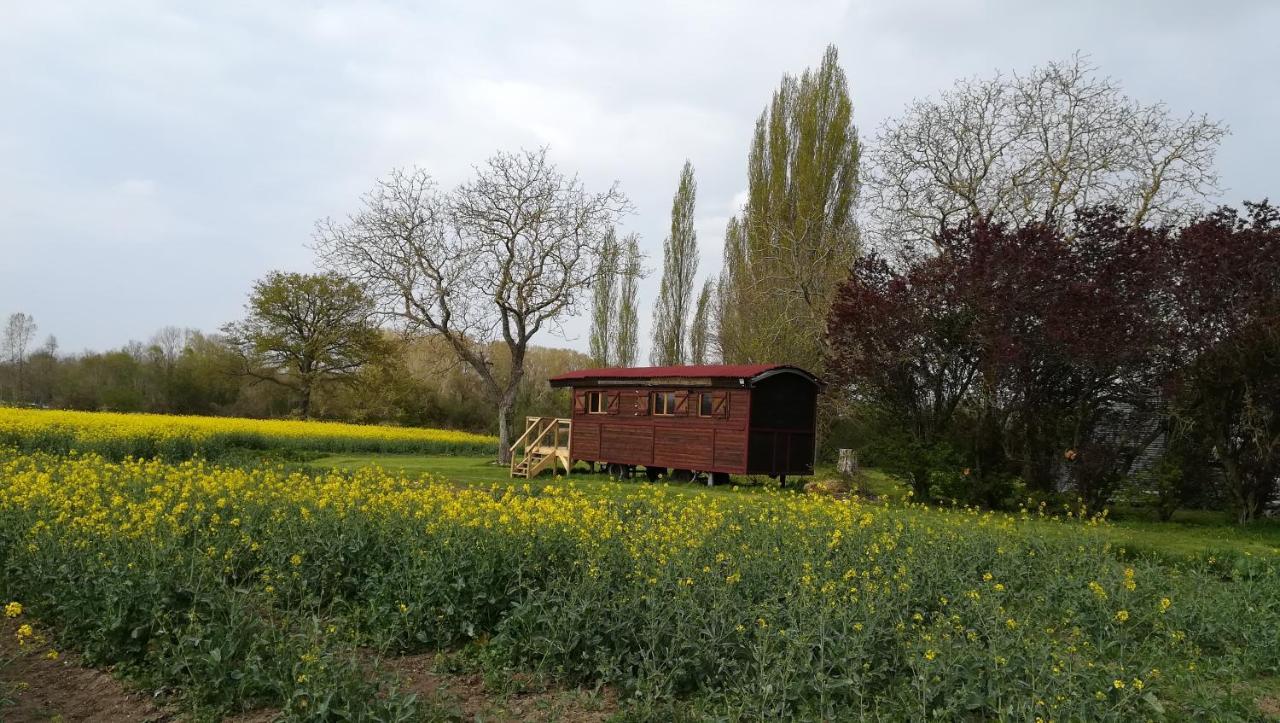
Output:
x=157 y=157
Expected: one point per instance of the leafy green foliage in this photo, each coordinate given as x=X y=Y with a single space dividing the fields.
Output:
x=628 y=327
x=604 y=303
x=700 y=330
x=306 y=330
x=796 y=236
x=679 y=267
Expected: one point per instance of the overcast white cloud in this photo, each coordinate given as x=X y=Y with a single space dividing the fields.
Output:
x=157 y=157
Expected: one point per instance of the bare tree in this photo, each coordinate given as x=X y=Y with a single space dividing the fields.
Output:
x=501 y=257
x=1036 y=147
x=163 y=352
x=169 y=343
x=19 y=332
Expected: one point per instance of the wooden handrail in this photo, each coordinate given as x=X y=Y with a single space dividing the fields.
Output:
x=539 y=428
x=516 y=445
x=528 y=428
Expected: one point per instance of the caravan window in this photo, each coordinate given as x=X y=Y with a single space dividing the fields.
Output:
x=663 y=403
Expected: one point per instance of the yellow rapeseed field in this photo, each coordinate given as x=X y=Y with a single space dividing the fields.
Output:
x=262 y=585
x=178 y=437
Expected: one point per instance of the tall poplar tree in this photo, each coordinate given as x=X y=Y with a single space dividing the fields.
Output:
x=700 y=330
x=627 y=334
x=604 y=303
x=730 y=294
x=796 y=237
x=679 y=267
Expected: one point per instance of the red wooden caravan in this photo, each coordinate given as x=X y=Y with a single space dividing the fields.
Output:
x=715 y=419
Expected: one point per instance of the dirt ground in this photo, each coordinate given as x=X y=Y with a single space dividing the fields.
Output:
x=467 y=697
x=50 y=690
x=1269 y=707
x=61 y=689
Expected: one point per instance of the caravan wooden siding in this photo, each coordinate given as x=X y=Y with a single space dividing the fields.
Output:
x=755 y=419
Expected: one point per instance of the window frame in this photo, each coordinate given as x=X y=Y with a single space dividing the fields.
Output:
x=668 y=406
x=600 y=405
x=708 y=400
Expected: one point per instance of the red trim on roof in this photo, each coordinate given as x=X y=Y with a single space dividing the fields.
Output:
x=713 y=371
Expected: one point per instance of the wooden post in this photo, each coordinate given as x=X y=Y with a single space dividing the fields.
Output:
x=847 y=465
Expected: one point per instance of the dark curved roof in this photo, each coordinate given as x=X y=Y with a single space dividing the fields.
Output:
x=749 y=372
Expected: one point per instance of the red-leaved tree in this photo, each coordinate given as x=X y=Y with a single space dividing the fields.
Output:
x=1011 y=353
x=1226 y=285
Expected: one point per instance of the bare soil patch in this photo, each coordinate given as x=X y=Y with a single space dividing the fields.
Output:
x=1269 y=707
x=467 y=697
x=45 y=689
x=62 y=689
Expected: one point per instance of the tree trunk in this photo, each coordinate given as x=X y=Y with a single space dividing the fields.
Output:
x=1236 y=482
x=507 y=403
x=504 y=430
x=306 y=401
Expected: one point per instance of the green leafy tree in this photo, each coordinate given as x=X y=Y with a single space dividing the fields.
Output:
x=730 y=332
x=303 y=331
x=679 y=267
x=797 y=238
x=604 y=304
x=700 y=328
x=628 y=326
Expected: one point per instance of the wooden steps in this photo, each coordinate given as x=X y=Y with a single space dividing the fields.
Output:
x=545 y=443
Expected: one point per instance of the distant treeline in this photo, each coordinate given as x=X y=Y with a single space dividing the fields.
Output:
x=184 y=371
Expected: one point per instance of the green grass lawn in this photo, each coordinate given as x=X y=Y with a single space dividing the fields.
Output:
x=484 y=472
x=1193 y=534
x=1198 y=533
